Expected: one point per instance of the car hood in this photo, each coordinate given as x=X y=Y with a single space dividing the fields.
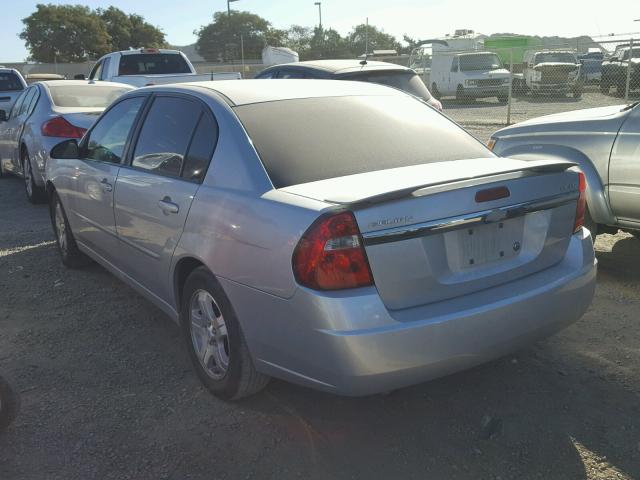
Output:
x=590 y=119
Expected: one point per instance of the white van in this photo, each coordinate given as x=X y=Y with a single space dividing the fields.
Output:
x=469 y=75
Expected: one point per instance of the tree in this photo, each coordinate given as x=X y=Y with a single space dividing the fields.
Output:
x=130 y=31
x=327 y=43
x=65 y=33
x=220 y=40
x=299 y=40
x=377 y=39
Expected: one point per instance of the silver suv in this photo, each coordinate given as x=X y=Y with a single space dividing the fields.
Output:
x=604 y=142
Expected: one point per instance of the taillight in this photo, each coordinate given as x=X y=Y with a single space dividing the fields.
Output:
x=581 y=208
x=491 y=144
x=61 y=128
x=330 y=255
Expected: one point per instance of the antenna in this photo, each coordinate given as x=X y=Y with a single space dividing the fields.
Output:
x=366 y=43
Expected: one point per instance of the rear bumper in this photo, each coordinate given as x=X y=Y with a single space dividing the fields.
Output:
x=553 y=87
x=352 y=345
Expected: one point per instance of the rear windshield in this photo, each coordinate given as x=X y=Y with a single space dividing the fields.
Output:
x=153 y=64
x=9 y=82
x=636 y=53
x=350 y=135
x=89 y=96
x=479 y=62
x=557 y=57
x=408 y=82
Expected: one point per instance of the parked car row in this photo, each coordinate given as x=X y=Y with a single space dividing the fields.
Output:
x=342 y=235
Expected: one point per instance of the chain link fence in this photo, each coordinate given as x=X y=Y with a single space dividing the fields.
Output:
x=502 y=81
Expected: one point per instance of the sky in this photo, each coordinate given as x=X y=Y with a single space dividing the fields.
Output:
x=417 y=18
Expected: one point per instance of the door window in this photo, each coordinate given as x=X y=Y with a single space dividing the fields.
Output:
x=96 y=72
x=105 y=68
x=106 y=140
x=165 y=135
x=454 y=65
x=31 y=92
x=18 y=103
x=291 y=74
x=201 y=149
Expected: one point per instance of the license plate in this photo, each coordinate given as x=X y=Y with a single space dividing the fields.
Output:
x=480 y=245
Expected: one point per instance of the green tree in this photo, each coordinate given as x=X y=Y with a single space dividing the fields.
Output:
x=377 y=39
x=328 y=43
x=299 y=40
x=130 y=31
x=220 y=40
x=65 y=33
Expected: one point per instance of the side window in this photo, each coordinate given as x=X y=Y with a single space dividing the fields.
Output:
x=18 y=103
x=291 y=74
x=201 y=149
x=165 y=135
x=31 y=92
x=96 y=71
x=106 y=140
x=104 y=70
x=454 y=64
x=271 y=74
x=34 y=101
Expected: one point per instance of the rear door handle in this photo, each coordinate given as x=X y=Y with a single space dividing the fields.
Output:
x=167 y=206
x=106 y=186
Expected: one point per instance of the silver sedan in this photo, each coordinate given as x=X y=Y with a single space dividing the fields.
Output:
x=42 y=116
x=339 y=235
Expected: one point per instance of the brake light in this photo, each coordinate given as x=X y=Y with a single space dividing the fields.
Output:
x=491 y=144
x=150 y=50
x=581 y=208
x=61 y=128
x=330 y=255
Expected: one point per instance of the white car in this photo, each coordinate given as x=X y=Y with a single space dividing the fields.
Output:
x=11 y=85
x=150 y=66
x=45 y=114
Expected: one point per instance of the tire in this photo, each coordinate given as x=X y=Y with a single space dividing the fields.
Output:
x=503 y=99
x=604 y=87
x=636 y=234
x=460 y=95
x=35 y=194
x=621 y=87
x=435 y=92
x=215 y=341
x=577 y=90
x=9 y=404
x=71 y=256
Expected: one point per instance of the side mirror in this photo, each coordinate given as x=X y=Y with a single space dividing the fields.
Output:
x=67 y=150
x=80 y=76
x=3 y=116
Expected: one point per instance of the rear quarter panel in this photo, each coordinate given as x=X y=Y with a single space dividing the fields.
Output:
x=588 y=146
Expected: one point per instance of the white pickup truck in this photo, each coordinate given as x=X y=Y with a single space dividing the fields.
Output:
x=150 y=66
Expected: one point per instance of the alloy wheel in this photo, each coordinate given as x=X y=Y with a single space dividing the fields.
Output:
x=209 y=334
x=26 y=170
x=61 y=227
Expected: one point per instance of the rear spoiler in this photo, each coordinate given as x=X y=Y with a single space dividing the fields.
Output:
x=535 y=166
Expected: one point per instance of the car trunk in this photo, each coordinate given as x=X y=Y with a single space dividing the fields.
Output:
x=78 y=118
x=443 y=230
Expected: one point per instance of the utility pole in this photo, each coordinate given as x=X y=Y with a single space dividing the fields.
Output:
x=319 y=5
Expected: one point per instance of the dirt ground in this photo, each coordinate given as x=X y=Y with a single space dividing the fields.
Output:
x=108 y=392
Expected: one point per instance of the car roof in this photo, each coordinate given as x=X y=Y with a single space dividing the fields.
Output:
x=9 y=70
x=337 y=67
x=244 y=92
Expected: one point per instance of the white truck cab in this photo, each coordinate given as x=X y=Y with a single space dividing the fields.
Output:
x=150 y=66
x=469 y=75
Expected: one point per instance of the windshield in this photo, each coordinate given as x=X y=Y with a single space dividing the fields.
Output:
x=406 y=81
x=9 y=82
x=488 y=61
x=636 y=54
x=555 y=57
x=89 y=96
x=367 y=134
x=153 y=64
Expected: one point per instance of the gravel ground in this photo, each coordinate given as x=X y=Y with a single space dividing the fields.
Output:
x=108 y=392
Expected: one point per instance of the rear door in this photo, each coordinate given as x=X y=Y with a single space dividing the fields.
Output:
x=6 y=132
x=154 y=193
x=92 y=178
